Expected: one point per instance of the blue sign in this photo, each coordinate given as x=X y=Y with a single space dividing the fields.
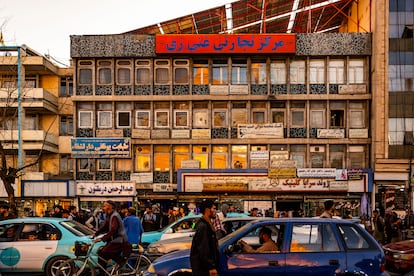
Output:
x=101 y=147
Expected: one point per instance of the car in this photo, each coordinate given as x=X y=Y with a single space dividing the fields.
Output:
x=183 y=227
x=306 y=246
x=39 y=244
x=399 y=257
x=161 y=247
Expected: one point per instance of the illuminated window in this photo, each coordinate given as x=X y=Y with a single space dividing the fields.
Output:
x=258 y=73
x=200 y=153
x=143 y=158
x=181 y=153
x=161 y=158
x=200 y=72
x=239 y=156
x=219 y=157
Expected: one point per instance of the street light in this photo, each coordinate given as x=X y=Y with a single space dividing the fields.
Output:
x=17 y=49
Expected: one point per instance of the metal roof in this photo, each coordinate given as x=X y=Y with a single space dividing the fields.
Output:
x=259 y=16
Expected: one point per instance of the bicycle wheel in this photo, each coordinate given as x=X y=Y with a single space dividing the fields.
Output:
x=76 y=267
x=135 y=265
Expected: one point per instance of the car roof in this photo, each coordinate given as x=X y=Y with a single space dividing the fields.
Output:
x=33 y=219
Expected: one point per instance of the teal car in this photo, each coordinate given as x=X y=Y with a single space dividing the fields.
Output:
x=36 y=244
x=183 y=227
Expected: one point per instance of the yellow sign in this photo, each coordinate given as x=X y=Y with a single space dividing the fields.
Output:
x=281 y=172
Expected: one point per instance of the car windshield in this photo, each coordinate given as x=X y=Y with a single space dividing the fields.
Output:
x=235 y=233
x=77 y=228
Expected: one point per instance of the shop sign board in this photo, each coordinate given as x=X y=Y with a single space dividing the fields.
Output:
x=141 y=133
x=259 y=155
x=283 y=164
x=282 y=172
x=101 y=147
x=193 y=182
x=225 y=43
x=316 y=172
x=190 y=164
x=180 y=133
x=201 y=134
x=161 y=187
x=105 y=188
x=246 y=131
x=47 y=188
x=144 y=177
x=331 y=133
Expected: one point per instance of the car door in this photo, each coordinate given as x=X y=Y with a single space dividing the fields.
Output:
x=363 y=252
x=34 y=246
x=238 y=262
x=9 y=256
x=314 y=250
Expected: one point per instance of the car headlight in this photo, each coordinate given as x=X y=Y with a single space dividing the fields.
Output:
x=405 y=257
x=152 y=250
x=151 y=269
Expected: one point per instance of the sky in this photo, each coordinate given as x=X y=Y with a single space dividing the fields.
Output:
x=46 y=25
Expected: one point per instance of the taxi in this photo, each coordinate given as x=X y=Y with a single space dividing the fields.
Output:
x=39 y=244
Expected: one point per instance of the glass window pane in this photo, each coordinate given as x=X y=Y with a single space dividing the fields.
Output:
x=105 y=76
x=85 y=76
x=181 y=75
x=124 y=76
x=161 y=75
x=258 y=73
x=143 y=76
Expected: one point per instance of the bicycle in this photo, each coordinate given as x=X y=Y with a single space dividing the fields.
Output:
x=86 y=263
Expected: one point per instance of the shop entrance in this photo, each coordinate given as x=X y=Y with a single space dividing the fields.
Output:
x=288 y=206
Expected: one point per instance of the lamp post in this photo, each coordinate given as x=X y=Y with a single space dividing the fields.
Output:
x=17 y=49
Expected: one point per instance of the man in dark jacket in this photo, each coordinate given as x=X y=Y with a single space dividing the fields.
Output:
x=117 y=246
x=204 y=253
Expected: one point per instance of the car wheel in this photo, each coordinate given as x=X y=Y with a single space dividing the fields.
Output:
x=53 y=264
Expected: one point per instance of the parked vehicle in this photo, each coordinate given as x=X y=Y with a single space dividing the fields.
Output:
x=39 y=244
x=399 y=257
x=184 y=227
x=306 y=246
x=161 y=247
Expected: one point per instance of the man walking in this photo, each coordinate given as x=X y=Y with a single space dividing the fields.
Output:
x=204 y=248
x=133 y=226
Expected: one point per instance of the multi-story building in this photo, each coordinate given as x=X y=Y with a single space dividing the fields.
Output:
x=250 y=103
x=35 y=128
x=394 y=177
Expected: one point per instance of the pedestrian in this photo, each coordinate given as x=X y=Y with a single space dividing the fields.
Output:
x=409 y=219
x=204 y=252
x=329 y=209
x=93 y=221
x=254 y=212
x=73 y=214
x=133 y=226
x=392 y=226
x=174 y=216
x=57 y=211
x=148 y=220
x=378 y=226
x=5 y=212
x=123 y=210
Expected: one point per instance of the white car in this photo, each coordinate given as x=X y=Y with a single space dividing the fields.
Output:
x=36 y=244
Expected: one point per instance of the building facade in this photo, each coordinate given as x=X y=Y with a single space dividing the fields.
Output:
x=282 y=126
x=36 y=126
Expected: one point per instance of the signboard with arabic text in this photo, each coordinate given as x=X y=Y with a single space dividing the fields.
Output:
x=101 y=147
x=105 y=189
x=225 y=43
